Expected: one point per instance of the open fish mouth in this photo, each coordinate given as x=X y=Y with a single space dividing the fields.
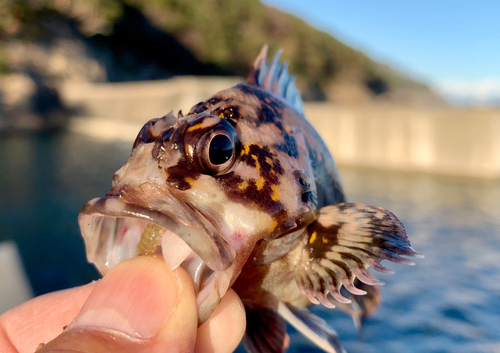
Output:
x=115 y=230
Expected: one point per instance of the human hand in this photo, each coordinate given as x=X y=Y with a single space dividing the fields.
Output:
x=139 y=306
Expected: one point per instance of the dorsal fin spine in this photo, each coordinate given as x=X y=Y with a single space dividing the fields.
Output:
x=273 y=70
x=284 y=78
x=275 y=78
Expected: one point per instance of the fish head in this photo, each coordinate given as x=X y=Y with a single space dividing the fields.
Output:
x=214 y=182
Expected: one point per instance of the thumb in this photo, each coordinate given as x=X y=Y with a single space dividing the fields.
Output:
x=139 y=306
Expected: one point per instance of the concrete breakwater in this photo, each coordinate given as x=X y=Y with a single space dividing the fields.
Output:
x=450 y=141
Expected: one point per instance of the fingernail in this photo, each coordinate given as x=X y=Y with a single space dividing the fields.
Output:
x=135 y=299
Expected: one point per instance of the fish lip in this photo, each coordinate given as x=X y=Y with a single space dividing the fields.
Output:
x=215 y=252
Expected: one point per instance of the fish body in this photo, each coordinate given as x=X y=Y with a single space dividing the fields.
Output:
x=242 y=192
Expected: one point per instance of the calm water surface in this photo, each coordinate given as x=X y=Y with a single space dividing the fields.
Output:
x=448 y=302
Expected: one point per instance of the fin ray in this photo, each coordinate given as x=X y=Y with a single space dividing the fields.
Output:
x=361 y=306
x=275 y=78
x=265 y=332
x=311 y=326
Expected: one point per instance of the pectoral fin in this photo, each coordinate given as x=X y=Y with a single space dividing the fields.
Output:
x=342 y=243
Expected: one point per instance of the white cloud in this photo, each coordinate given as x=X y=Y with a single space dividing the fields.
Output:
x=484 y=91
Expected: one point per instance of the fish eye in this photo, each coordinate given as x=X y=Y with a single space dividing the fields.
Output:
x=221 y=149
x=211 y=145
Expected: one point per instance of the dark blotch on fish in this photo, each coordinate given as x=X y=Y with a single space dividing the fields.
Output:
x=179 y=175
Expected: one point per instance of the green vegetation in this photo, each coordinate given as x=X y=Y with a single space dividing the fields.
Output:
x=228 y=34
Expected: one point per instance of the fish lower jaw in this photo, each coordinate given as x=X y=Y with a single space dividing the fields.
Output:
x=209 y=286
x=112 y=236
x=206 y=282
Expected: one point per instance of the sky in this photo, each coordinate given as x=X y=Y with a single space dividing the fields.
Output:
x=451 y=45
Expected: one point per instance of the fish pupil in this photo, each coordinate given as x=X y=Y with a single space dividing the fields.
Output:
x=220 y=150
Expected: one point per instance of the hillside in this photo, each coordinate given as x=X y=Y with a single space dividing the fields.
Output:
x=123 y=40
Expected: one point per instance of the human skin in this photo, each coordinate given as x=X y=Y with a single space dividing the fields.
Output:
x=139 y=306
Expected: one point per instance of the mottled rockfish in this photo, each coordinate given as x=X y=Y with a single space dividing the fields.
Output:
x=242 y=192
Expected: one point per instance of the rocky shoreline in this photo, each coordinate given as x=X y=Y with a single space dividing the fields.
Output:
x=46 y=43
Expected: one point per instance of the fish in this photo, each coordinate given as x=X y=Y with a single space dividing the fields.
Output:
x=243 y=193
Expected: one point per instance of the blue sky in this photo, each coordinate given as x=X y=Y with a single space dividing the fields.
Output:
x=452 y=45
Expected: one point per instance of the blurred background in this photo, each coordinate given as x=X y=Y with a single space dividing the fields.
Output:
x=406 y=95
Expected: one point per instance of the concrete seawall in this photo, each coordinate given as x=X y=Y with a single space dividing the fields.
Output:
x=451 y=141
x=463 y=142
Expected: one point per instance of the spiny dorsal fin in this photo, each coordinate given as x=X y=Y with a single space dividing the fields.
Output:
x=275 y=78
